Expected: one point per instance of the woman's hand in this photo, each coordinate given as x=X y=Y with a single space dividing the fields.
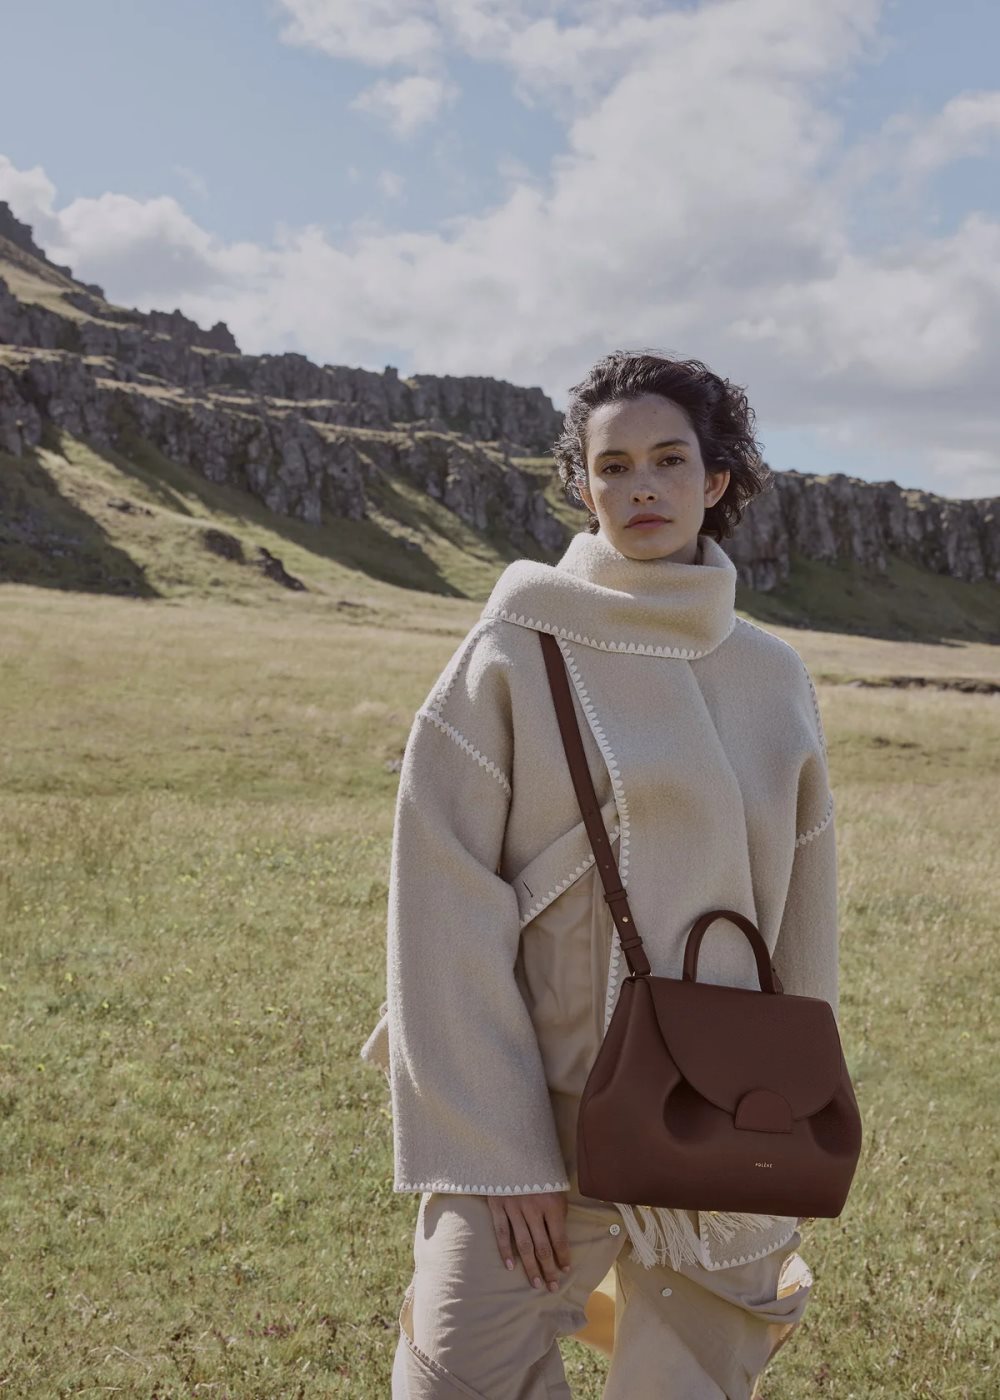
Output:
x=537 y=1225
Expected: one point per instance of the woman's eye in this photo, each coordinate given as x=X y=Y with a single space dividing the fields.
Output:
x=672 y=457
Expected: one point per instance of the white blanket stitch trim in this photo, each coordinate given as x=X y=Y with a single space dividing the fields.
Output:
x=815 y=831
x=481 y=1190
x=435 y=702
x=687 y=653
x=815 y=700
x=469 y=748
x=758 y=1254
x=563 y=884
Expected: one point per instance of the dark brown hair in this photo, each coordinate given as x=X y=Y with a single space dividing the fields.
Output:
x=717 y=410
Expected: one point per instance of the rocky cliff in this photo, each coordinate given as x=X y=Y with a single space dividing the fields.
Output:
x=315 y=441
x=307 y=440
x=828 y=518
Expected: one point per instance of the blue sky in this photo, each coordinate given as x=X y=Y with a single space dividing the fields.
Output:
x=803 y=193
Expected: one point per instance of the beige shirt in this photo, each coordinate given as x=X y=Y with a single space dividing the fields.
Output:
x=562 y=971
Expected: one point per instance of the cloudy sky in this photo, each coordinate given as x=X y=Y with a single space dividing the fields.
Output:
x=802 y=193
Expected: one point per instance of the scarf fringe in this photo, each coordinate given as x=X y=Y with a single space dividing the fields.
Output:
x=661 y=1235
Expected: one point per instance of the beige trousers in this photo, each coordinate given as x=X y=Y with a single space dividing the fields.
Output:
x=470 y=1327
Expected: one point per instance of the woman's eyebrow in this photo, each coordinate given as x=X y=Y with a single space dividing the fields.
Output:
x=620 y=452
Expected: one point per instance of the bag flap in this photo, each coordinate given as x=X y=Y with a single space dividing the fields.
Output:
x=728 y=1040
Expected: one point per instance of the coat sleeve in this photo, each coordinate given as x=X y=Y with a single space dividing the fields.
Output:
x=470 y=1104
x=807 y=951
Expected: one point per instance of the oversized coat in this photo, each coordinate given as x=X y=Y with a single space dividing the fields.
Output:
x=705 y=742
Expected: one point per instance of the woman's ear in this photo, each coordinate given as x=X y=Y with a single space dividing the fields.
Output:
x=715 y=486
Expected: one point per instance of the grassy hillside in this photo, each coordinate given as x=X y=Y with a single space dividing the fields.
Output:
x=132 y=522
x=907 y=602
x=155 y=548
x=197 y=796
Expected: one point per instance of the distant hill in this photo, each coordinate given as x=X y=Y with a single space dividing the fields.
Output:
x=139 y=453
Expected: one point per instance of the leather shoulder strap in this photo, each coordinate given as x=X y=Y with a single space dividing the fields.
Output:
x=617 y=899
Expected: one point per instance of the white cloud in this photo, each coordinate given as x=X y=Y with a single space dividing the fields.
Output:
x=391 y=183
x=964 y=471
x=31 y=195
x=704 y=203
x=901 y=324
x=890 y=169
x=407 y=104
x=147 y=248
x=965 y=126
x=377 y=32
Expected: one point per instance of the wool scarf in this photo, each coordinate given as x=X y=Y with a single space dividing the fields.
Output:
x=704 y=739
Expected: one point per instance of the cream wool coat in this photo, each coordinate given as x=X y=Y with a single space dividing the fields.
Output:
x=706 y=746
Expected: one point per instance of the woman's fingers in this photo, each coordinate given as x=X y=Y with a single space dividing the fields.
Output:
x=556 y=1221
x=525 y=1236
x=533 y=1227
x=501 y=1228
x=538 y=1224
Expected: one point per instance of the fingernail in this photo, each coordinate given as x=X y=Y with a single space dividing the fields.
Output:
x=565 y=1268
x=536 y=1283
x=509 y=1263
x=553 y=1287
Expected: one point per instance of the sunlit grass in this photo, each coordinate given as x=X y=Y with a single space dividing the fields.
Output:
x=196 y=1195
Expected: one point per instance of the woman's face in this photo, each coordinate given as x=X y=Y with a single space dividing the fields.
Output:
x=643 y=457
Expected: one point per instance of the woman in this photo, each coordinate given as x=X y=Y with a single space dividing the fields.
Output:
x=705 y=743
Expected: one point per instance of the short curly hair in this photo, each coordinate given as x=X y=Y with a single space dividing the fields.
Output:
x=718 y=412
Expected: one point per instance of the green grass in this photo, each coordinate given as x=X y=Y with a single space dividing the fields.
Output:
x=906 y=603
x=196 y=1198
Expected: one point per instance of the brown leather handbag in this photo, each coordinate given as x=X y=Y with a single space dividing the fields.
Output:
x=707 y=1097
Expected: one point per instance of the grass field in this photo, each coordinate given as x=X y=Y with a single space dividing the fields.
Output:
x=196 y=801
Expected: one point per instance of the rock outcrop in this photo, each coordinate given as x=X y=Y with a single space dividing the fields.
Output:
x=318 y=441
x=309 y=441
x=834 y=517
x=21 y=236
